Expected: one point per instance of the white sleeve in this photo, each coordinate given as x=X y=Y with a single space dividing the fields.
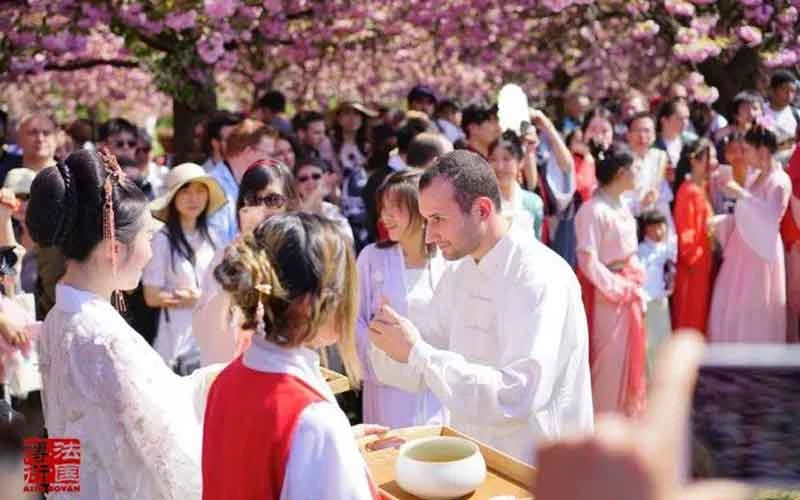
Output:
x=158 y=412
x=324 y=461
x=561 y=184
x=390 y=372
x=402 y=375
x=155 y=272
x=211 y=319
x=365 y=301
x=525 y=384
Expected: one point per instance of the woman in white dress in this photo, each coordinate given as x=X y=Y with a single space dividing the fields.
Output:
x=402 y=271
x=138 y=423
x=182 y=252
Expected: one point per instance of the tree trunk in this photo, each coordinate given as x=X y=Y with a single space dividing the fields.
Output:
x=740 y=73
x=187 y=114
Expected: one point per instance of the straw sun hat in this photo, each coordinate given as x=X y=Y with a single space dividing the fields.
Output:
x=180 y=176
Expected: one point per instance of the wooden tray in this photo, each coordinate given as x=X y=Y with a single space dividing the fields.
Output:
x=337 y=382
x=506 y=476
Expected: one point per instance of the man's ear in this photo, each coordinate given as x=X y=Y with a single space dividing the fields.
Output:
x=485 y=207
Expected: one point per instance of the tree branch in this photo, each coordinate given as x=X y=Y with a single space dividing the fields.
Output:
x=91 y=63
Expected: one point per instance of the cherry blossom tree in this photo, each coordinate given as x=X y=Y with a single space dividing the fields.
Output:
x=318 y=50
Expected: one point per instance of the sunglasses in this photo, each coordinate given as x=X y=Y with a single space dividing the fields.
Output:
x=22 y=197
x=305 y=178
x=272 y=200
x=124 y=144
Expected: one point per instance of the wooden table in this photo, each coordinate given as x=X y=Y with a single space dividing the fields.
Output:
x=505 y=476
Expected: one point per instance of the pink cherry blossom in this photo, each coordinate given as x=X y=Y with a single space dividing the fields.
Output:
x=679 y=8
x=23 y=39
x=788 y=15
x=210 y=49
x=750 y=35
x=220 y=9
x=646 y=29
x=704 y=24
x=180 y=21
x=57 y=42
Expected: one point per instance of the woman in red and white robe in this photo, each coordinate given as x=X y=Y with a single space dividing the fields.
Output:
x=272 y=428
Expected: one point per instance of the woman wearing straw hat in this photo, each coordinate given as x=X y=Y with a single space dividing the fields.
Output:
x=182 y=251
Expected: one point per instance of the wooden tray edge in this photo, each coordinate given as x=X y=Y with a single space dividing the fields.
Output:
x=336 y=381
x=498 y=462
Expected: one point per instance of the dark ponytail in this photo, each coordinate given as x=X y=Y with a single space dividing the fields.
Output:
x=511 y=142
x=610 y=161
x=689 y=152
x=66 y=206
x=760 y=136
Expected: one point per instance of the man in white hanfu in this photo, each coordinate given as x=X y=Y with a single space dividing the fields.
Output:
x=508 y=355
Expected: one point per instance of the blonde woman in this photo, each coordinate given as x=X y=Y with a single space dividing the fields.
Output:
x=271 y=419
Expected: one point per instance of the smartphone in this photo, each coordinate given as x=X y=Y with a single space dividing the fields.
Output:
x=524 y=128
x=745 y=417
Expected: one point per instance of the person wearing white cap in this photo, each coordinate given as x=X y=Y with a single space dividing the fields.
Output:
x=14 y=196
x=182 y=252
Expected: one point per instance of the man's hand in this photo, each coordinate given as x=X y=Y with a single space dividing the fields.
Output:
x=393 y=334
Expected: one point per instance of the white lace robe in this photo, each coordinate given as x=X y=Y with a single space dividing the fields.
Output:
x=139 y=423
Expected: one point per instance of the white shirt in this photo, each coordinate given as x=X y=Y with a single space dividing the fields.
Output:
x=351 y=158
x=157 y=177
x=650 y=174
x=508 y=355
x=324 y=461
x=169 y=271
x=139 y=424
x=782 y=122
x=653 y=257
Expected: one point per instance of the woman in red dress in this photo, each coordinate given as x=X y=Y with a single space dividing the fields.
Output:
x=692 y=211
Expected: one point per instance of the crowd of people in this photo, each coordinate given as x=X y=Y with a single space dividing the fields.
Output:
x=515 y=284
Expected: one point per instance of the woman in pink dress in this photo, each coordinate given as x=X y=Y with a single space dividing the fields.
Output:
x=611 y=277
x=749 y=301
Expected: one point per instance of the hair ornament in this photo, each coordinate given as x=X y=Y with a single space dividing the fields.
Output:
x=264 y=289
x=261 y=330
x=114 y=174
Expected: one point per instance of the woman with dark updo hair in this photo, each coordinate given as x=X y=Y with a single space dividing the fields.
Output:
x=506 y=156
x=611 y=277
x=139 y=424
x=749 y=302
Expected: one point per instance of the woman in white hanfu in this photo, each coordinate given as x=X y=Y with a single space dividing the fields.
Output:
x=403 y=272
x=138 y=423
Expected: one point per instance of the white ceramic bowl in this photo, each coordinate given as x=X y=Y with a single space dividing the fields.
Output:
x=440 y=467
